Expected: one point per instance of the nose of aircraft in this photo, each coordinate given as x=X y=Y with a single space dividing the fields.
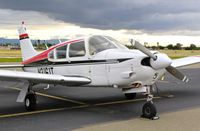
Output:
x=159 y=61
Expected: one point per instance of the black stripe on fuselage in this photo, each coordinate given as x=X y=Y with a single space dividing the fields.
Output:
x=83 y=62
x=21 y=38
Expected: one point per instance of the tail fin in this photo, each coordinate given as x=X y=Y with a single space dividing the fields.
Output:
x=25 y=43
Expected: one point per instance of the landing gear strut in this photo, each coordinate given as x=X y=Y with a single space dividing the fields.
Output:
x=149 y=110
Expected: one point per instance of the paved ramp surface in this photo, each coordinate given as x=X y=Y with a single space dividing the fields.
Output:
x=187 y=120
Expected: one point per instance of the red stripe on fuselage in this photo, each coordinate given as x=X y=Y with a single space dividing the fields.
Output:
x=44 y=54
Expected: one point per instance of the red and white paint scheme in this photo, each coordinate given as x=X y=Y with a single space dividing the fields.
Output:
x=95 y=61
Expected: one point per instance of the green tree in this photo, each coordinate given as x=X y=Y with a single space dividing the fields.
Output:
x=178 y=46
x=170 y=47
x=193 y=47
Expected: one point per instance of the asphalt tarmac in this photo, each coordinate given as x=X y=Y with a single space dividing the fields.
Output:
x=65 y=108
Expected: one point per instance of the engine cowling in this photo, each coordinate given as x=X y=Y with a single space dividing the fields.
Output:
x=162 y=61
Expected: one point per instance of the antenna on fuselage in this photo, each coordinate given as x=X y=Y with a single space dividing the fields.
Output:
x=46 y=46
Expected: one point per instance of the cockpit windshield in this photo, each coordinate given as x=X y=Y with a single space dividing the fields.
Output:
x=101 y=43
x=118 y=44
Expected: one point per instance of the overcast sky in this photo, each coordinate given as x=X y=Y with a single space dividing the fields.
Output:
x=169 y=21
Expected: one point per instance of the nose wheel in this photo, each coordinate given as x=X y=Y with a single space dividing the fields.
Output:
x=149 y=110
x=30 y=101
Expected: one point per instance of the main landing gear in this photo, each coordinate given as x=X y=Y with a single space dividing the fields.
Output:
x=28 y=96
x=30 y=101
x=149 y=110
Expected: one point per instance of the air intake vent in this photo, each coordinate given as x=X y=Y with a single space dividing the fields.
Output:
x=146 y=61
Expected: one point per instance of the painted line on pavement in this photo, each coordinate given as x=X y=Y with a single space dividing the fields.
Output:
x=40 y=111
x=53 y=97
x=123 y=101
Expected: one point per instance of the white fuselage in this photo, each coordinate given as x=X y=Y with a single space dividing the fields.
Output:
x=109 y=68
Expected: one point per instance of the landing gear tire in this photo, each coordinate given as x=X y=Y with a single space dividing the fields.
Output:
x=30 y=102
x=149 y=110
x=130 y=96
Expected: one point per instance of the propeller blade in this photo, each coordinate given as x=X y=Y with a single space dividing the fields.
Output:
x=176 y=73
x=144 y=50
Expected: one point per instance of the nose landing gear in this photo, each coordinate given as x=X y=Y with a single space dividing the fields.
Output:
x=149 y=110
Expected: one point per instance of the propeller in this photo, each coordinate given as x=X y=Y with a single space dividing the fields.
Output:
x=172 y=70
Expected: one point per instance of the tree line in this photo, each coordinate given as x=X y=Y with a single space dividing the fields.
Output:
x=43 y=44
x=178 y=46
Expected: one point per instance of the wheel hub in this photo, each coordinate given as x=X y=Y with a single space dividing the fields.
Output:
x=147 y=110
x=27 y=102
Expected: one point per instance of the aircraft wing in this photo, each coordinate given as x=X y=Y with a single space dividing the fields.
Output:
x=7 y=75
x=186 y=61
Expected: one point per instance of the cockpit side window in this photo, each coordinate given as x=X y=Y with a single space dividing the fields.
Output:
x=98 y=44
x=61 y=52
x=77 y=49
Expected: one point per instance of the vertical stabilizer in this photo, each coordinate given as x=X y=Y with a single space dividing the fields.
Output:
x=27 y=48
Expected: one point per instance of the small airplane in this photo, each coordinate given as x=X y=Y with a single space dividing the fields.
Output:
x=95 y=61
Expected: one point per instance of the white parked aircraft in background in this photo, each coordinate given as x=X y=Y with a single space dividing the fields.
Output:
x=96 y=61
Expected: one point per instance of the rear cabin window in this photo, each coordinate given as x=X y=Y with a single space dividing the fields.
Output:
x=77 y=49
x=61 y=52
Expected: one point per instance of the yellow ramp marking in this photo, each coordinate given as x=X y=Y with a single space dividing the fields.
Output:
x=40 y=111
x=122 y=101
x=53 y=97
x=60 y=98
